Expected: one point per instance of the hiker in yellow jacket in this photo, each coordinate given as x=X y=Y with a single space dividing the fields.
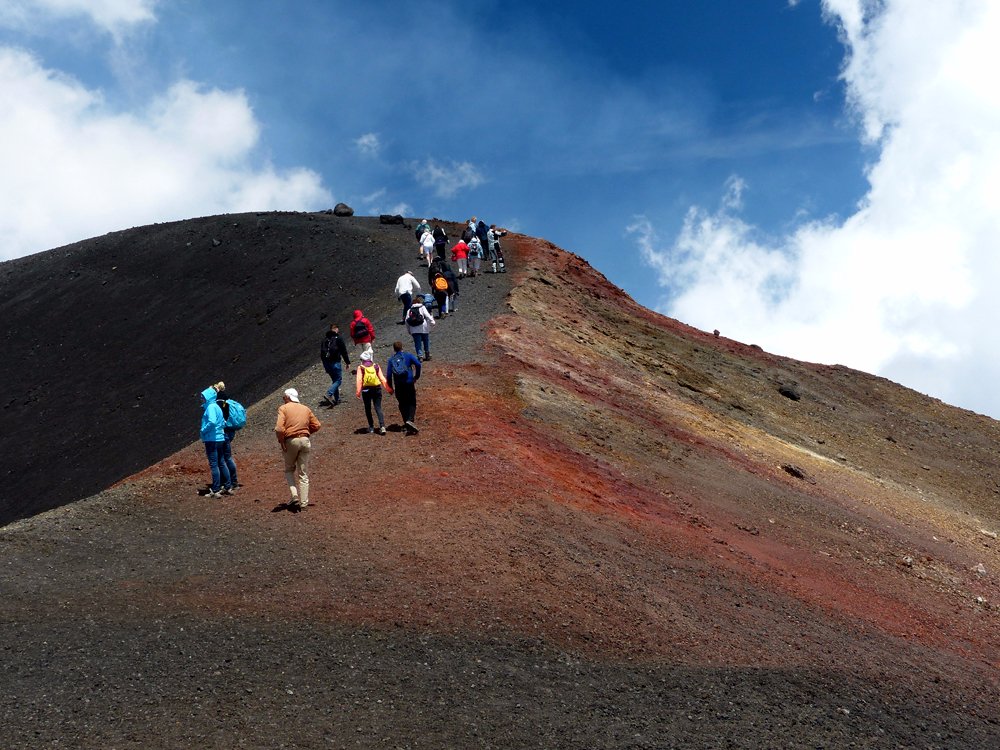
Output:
x=370 y=382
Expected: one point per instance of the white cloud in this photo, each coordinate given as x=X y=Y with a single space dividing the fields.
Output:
x=906 y=286
x=368 y=144
x=74 y=167
x=114 y=16
x=446 y=181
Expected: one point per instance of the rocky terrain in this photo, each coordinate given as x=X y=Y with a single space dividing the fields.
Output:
x=613 y=530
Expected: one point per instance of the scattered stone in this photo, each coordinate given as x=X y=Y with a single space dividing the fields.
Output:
x=215 y=242
x=390 y=219
x=990 y=534
x=907 y=561
x=790 y=392
x=716 y=333
x=798 y=473
x=979 y=569
x=342 y=209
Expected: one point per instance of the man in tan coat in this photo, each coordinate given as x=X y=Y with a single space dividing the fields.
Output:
x=295 y=424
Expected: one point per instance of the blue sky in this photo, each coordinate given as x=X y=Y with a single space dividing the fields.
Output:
x=740 y=165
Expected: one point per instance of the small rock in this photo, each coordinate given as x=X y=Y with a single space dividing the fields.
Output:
x=790 y=392
x=798 y=473
x=990 y=534
x=215 y=242
x=979 y=569
x=908 y=561
x=342 y=209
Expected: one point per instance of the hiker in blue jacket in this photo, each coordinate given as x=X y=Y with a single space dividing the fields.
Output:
x=230 y=433
x=213 y=435
x=404 y=369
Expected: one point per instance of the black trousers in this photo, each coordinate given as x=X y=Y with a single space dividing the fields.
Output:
x=406 y=395
x=372 y=396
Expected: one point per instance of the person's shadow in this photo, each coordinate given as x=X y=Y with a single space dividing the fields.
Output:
x=289 y=507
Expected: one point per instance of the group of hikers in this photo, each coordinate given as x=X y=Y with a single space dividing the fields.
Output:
x=476 y=243
x=296 y=422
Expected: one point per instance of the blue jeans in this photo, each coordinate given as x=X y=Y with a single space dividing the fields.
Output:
x=336 y=373
x=227 y=455
x=217 y=465
x=421 y=341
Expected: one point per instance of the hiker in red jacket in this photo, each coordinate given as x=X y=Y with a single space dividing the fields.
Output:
x=460 y=255
x=362 y=330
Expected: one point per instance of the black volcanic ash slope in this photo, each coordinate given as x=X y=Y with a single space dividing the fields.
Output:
x=107 y=342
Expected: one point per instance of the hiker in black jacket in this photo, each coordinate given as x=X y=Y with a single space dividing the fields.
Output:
x=440 y=241
x=452 y=288
x=332 y=351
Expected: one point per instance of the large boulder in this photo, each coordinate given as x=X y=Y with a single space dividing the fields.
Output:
x=342 y=209
x=390 y=219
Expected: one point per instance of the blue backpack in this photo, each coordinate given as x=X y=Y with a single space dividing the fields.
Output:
x=236 y=415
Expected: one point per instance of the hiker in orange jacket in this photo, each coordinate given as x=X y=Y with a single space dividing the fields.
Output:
x=295 y=424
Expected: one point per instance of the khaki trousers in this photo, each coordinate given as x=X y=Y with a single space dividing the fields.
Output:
x=296 y=464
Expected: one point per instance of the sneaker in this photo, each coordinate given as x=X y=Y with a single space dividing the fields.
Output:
x=427 y=358
x=214 y=495
x=371 y=430
x=228 y=491
x=411 y=427
x=381 y=430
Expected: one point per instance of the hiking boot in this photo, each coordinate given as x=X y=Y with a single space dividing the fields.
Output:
x=381 y=430
x=427 y=358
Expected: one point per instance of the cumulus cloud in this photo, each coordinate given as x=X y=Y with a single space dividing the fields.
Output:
x=906 y=285
x=446 y=181
x=378 y=203
x=75 y=167
x=368 y=144
x=113 y=16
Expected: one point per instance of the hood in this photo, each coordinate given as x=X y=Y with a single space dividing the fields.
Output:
x=358 y=315
x=209 y=395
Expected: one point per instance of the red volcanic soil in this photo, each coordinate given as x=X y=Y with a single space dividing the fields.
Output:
x=612 y=531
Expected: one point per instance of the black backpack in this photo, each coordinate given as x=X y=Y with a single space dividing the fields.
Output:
x=326 y=349
x=361 y=329
x=414 y=317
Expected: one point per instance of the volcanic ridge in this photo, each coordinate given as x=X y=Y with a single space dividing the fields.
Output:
x=613 y=530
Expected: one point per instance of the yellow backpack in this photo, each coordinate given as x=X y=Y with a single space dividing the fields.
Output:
x=369 y=376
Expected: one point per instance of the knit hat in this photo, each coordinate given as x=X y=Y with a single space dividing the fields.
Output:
x=293 y=395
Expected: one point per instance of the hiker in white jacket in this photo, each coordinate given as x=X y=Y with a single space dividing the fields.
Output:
x=406 y=286
x=427 y=246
